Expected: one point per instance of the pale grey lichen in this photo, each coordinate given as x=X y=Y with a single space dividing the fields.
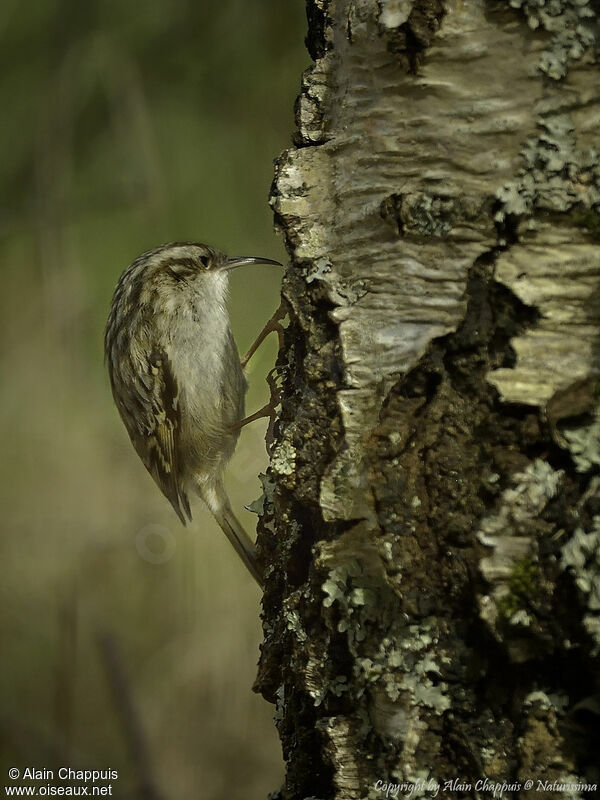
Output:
x=393 y=13
x=520 y=617
x=555 y=176
x=547 y=700
x=511 y=568
x=573 y=26
x=581 y=555
x=427 y=215
x=356 y=606
x=294 y=624
x=268 y=487
x=322 y=265
x=335 y=585
x=584 y=444
x=279 y=714
x=433 y=215
x=283 y=460
x=537 y=484
x=402 y=664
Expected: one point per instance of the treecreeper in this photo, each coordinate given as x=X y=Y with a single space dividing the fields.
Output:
x=176 y=375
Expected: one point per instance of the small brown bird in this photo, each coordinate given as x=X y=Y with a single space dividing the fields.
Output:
x=176 y=375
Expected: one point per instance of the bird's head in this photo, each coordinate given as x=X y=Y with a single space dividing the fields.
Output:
x=171 y=277
x=185 y=262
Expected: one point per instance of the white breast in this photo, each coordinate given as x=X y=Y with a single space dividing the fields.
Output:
x=198 y=336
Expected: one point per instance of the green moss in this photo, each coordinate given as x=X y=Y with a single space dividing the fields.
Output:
x=523 y=586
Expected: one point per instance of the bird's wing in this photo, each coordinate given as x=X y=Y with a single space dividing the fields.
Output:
x=154 y=424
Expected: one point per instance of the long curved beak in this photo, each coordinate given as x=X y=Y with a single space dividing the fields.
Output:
x=242 y=261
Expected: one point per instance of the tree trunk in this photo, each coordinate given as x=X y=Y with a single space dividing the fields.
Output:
x=430 y=522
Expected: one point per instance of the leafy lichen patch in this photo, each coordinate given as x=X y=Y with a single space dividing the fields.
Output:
x=573 y=28
x=581 y=557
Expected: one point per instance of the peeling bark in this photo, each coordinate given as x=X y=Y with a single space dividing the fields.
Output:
x=430 y=526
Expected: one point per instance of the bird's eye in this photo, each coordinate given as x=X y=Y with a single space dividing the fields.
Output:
x=204 y=260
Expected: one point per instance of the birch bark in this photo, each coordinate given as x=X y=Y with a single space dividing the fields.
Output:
x=431 y=515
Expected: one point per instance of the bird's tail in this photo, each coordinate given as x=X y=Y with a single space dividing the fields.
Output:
x=233 y=529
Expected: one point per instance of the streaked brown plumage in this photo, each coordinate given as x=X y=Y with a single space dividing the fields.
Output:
x=176 y=375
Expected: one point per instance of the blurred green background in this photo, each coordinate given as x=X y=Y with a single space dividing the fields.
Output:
x=128 y=641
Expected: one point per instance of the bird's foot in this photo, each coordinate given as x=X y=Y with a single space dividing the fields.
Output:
x=272 y=326
x=268 y=410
